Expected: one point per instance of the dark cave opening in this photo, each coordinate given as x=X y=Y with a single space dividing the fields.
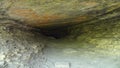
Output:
x=58 y=32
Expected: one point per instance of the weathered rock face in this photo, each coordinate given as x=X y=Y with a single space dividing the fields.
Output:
x=41 y=13
x=94 y=43
x=19 y=48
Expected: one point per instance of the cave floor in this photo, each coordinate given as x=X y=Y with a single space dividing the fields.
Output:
x=97 y=47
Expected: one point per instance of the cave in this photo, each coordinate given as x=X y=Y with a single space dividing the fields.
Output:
x=59 y=34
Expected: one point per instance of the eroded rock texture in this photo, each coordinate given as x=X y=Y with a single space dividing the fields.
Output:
x=37 y=13
x=92 y=43
x=19 y=48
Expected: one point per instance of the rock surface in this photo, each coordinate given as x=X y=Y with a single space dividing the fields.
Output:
x=20 y=48
x=39 y=13
x=94 y=43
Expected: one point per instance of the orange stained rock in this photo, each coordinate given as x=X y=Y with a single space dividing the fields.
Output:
x=81 y=18
x=29 y=16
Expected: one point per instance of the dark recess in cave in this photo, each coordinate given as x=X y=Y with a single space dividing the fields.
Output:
x=58 y=32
